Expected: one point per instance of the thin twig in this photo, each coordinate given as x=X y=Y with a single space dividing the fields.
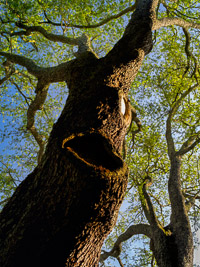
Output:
x=19 y=90
x=9 y=172
x=92 y=26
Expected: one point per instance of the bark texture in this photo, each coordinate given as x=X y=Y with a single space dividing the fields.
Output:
x=62 y=212
x=173 y=245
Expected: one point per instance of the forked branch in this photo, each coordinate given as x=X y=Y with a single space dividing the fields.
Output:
x=147 y=203
x=24 y=62
x=143 y=229
x=169 y=138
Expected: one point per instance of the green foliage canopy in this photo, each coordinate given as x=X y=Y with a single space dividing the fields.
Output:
x=168 y=82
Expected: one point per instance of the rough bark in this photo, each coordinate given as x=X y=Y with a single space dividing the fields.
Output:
x=172 y=245
x=62 y=212
x=179 y=217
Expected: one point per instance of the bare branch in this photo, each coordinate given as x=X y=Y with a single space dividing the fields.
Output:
x=4 y=79
x=144 y=229
x=187 y=50
x=183 y=95
x=37 y=103
x=160 y=205
x=54 y=74
x=25 y=62
x=120 y=262
x=49 y=36
x=20 y=91
x=82 y=42
x=45 y=76
x=189 y=53
x=165 y=22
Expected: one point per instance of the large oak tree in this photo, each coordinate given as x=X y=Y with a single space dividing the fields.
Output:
x=62 y=212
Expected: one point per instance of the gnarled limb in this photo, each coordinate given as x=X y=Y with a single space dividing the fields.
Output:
x=45 y=76
x=189 y=54
x=47 y=35
x=37 y=104
x=24 y=62
x=82 y=42
x=137 y=229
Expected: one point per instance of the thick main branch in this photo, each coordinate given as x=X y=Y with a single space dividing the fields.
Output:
x=165 y=22
x=24 y=62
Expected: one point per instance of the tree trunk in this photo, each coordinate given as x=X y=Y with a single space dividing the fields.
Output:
x=172 y=246
x=179 y=217
x=62 y=212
